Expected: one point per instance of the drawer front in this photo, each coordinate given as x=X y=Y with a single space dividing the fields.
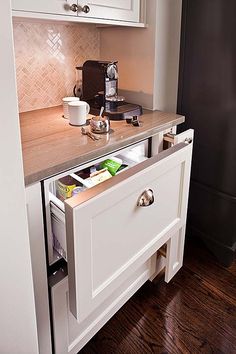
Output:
x=109 y=236
x=57 y=7
x=69 y=335
x=120 y=10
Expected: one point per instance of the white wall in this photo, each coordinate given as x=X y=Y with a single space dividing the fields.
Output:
x=168 y=30
x=17 y=313
x=134 y=48
x=148 y=58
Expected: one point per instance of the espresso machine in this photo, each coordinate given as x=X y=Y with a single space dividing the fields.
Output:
x=100 y=89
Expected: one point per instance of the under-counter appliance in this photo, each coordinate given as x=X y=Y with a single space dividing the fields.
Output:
x=103 y=243
x=207 y=96
x=100 y=89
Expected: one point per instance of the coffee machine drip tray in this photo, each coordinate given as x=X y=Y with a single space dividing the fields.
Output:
x=120 y=111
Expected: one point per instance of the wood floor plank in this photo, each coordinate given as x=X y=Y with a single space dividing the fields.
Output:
x=220 y=277
x=185 y=318
x=232 y=269
x=194 y=314
x=212 y=302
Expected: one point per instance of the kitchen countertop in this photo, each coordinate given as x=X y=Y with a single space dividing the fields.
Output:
x=50 y=145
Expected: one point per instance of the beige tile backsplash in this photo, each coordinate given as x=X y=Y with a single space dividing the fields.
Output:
x=46 y=56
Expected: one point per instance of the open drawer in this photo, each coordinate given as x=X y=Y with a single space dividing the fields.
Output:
x=62 y=186
x=81 y=181
x=116 y=226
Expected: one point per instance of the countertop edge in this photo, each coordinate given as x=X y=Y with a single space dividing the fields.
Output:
x=49 y=172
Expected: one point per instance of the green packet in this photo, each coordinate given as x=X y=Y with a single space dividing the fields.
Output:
x=113 y=164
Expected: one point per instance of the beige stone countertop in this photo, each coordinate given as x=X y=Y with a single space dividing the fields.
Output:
x=50 y=145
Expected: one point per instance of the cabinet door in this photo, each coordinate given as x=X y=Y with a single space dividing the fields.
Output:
x=120 y=10
x=57 y=7
x=69 y=335
x=109 y=235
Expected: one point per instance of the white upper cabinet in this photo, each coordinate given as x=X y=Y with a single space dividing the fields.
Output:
x=56 y=7
x=125 y=10
x=117 y=12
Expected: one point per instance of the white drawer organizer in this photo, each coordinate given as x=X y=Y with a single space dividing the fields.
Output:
x=112 y=242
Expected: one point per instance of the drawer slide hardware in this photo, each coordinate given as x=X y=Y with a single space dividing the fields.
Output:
x=169 y=138
x=162 y=251
x=146 y=198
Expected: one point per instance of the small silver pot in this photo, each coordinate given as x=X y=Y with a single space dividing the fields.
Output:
x=100 y=125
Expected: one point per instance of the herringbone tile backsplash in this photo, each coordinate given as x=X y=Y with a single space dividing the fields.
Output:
x=46 y=56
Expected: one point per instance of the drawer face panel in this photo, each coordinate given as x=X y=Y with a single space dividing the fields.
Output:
x=69 y=335
x=109 y=236
x=56 y=7
x=119 y=231
x=123 y=10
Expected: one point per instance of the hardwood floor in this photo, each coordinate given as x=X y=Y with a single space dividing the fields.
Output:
x=194 y=313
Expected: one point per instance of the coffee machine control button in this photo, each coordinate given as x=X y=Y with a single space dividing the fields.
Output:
x=112 y=91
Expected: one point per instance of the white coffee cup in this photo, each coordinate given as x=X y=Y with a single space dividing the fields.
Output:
x=78 y=112
x=65 y=101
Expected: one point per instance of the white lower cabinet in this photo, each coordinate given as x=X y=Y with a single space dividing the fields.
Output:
x=69 y=335
x=110 y=235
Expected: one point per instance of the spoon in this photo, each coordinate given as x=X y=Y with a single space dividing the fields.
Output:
x=86 y=132
x=101 y=111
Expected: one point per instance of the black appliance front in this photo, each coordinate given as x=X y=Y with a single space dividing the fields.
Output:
x=100 y=88
x=207 y=91
x=99 y=80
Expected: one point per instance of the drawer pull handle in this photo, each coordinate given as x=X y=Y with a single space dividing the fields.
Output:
x=86 y=9
x=74 y=8
x=188 y=140
x=146 y=198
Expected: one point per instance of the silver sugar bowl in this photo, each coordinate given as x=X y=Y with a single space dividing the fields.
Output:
x=100 y=125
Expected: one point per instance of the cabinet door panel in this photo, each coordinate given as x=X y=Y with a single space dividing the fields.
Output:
x=123 y=10
x=56 y=7
x=109 y=236
x=69 y=335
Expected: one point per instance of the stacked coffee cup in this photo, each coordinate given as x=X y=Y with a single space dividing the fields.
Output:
x=75 y=110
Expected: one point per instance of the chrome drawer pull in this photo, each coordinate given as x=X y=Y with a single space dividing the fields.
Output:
x=74 y=7
x=146 y=198
x=188 y=140
x=86 y=9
